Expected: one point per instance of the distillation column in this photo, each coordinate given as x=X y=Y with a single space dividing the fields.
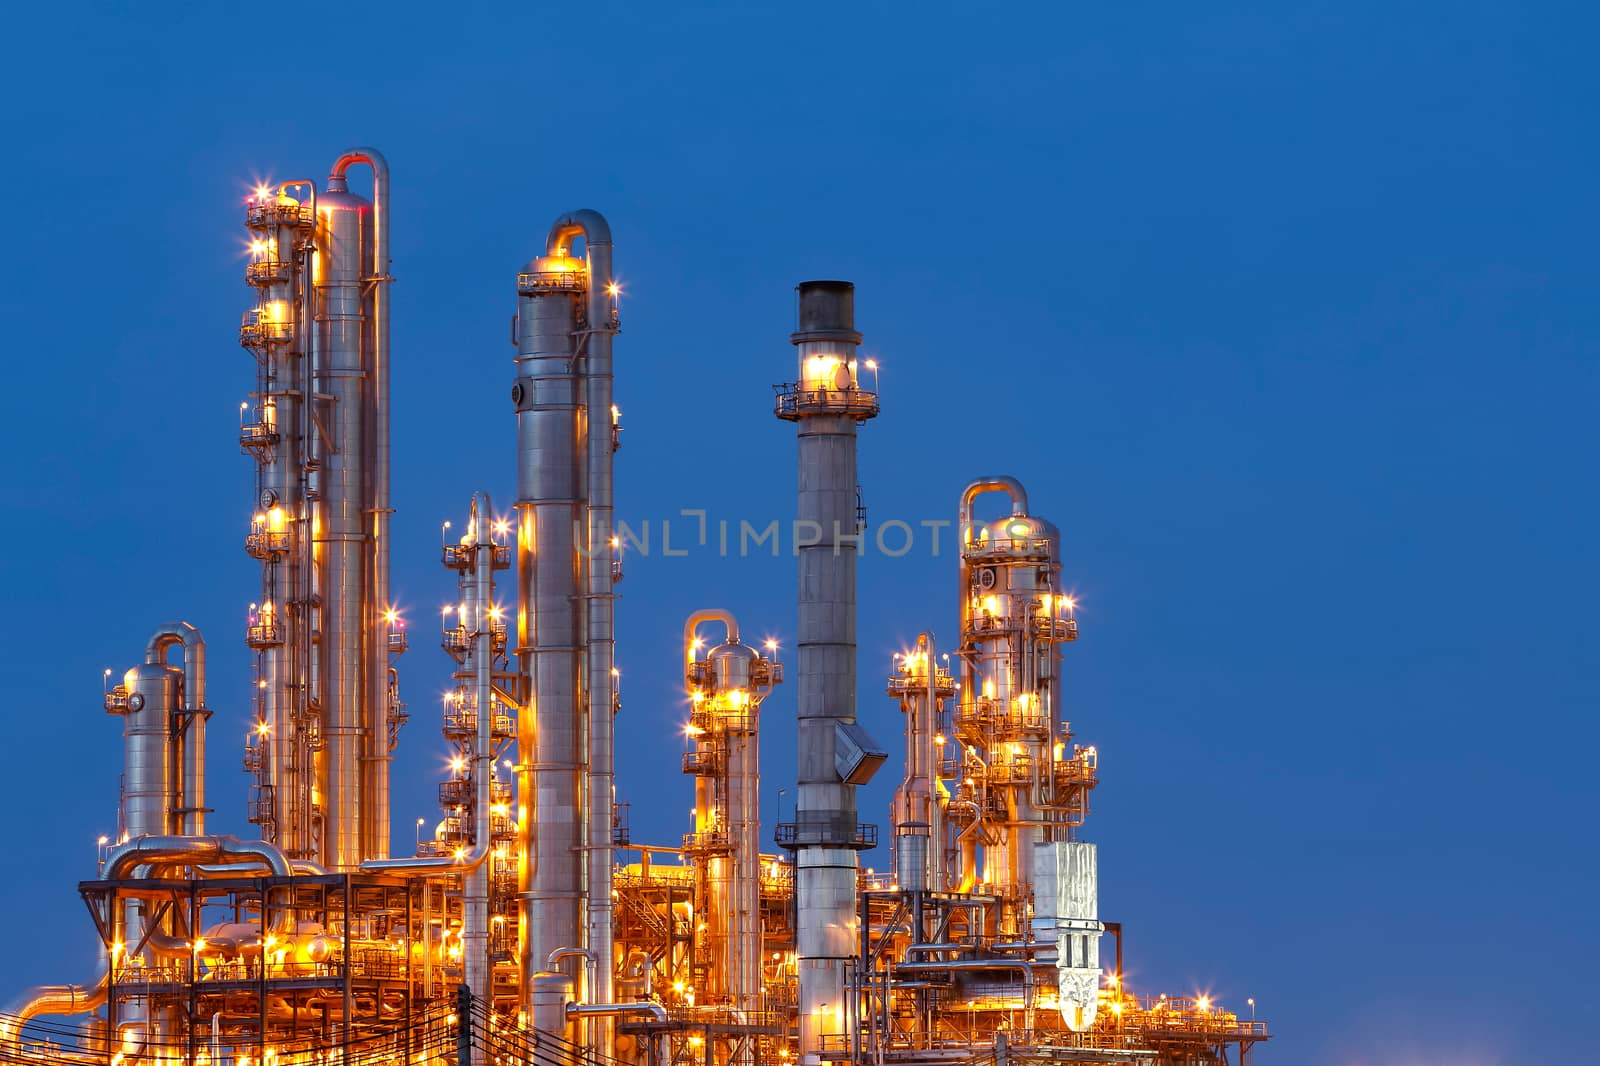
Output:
x=566 y=317
x=278 y=332
x=834 y=754
x=726 y=686
x=922 y=685
x=324 y=632
x=1025 y=791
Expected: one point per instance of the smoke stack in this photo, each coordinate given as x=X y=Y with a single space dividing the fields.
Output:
x=835 y=755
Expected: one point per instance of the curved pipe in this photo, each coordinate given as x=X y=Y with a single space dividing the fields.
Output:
x=590 y=225
x=193 y=770
x=192 y=851
x=587 y=955
x=377 y=819
x=51 y=999
x=194 y=658
x=694 y=622
x=1022 y=965
x=993 y=483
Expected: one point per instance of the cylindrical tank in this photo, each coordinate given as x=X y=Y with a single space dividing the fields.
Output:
x=149 y=756
x=550 y=508
x=341 y=371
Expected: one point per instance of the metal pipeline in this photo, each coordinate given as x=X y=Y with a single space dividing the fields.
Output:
x=122 y=860
x=376 y=819
x=1021 y=965
x=566 y=638
x=612 y=1010
x=192 y=809
x=575 y=953
x=600 y=643
x=51 y=999
x=993 y=483
x=729 y=624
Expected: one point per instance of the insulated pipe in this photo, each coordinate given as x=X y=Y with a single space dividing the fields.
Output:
x=378 y=755
x=600 y=642
x=729 y=624
x=612 y=1010
x=558 y=614
x=992 y=483
x=51 y=999
x=122 y=860
x=343 y=535
x=192 y=809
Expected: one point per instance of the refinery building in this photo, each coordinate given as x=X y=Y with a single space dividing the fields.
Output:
x=529 y=926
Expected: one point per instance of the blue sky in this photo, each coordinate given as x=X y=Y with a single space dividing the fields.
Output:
x=1285 y=314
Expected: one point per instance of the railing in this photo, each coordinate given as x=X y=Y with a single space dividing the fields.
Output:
x=826 y=831
x=264 y=635
x=1007 y=546
x=1116 y=1036
x=709 y=842
x=260 y=332
x=253 y=435
x=1056 y=630
x=264 y=271
x=265 y=543
x=461 y=556
x=459 y=641
x=463 y=721
x=273 y=213
x=702 y=763
x=398 y=642
x=541 y=281
x=116 y=701
x=796 y=398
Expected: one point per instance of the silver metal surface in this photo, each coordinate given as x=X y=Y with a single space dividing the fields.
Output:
x=827 y=410
x=377 y=757
x=565 y=632
x=189 y=726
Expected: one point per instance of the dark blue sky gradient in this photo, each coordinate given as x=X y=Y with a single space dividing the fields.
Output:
x=1285 y=314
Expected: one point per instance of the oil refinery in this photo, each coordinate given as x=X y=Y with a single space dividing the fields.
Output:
x=530 y=926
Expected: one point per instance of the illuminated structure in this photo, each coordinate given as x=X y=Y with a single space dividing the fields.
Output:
x=573 y=942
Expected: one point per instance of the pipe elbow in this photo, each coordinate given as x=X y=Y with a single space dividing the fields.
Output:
x=193 y=852
x=996 y=483
x=51 y=999
x=993 y=483
x=568 y=953
x=370 y=156
x=588 y=224
x=170 y=633
x=713 y=614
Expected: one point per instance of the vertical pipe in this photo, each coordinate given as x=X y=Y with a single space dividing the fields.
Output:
x=343 y=536
x=827 y=406
x=191 y=808
x=376 y=833
x=600 y=602
x=475 y=902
